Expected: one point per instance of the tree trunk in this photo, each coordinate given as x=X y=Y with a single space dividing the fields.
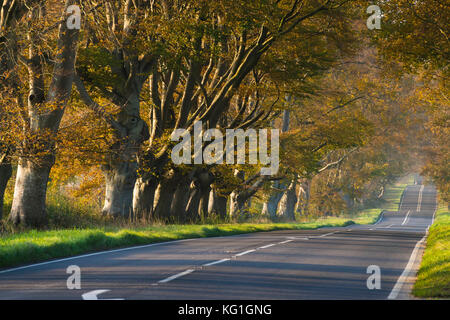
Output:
x=237 y=204
x=271 y=205
x=303 y=197
x=5 y=175
x=122 y=167
x=193 y=204
x=143 y=198
x=204 y=202
x=28 y=207
x=286 y=206
x=217 y=205
x=120 y=180
x=164 y=196
x=347 y=199
x=199 y=196
x=180 y=200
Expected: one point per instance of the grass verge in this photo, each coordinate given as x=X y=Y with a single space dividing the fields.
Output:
x=34 y=246
x=433 y=278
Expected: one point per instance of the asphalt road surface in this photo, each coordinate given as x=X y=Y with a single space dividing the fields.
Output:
x=329 y=263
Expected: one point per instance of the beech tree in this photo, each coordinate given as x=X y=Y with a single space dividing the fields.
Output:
x=44 y=102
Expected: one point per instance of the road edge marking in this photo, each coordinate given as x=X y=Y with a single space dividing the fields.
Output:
x=402 y=279
x=93 y=295
x=412 y=259
x=379 y=218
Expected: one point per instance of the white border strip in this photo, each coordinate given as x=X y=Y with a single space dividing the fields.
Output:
x=402 y=279
x=379 y=218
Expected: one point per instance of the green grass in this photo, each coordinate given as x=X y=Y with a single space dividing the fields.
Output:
x=433 y=278
x=34 y=246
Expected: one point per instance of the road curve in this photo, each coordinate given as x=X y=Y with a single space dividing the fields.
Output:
x=328 y=263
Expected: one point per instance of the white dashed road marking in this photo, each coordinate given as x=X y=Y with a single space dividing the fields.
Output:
x=178 y=275
x=419 y=204
x=244 y=253
x=216 y=262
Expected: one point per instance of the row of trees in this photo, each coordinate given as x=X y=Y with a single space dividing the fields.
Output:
x=142 y=69
x=416 y=37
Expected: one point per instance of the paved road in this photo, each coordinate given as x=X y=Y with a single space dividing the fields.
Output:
x=329 y=263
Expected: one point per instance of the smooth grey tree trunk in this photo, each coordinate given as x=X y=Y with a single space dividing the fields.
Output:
x=199 y=196
x=180 y=200
x=193 y=205
x=303 y=197
x=271 y=205
x=28 y=207
x=286 y=206
x=120 y=181
x=217 y=205
x=121 y=170
x=143 y=198
x=164 y=196
x=236 y=202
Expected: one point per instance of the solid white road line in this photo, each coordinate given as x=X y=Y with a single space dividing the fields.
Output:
x=379 y=218
x=178 y=275
x=215 y=262
x=419 y=203
x=406 y=218
x=286 y=241
x=401 y=280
